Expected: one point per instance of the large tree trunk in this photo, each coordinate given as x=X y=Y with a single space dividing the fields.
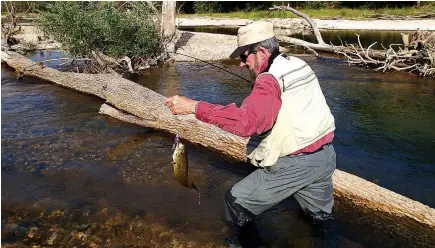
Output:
x=168 y=24
x=137 y=104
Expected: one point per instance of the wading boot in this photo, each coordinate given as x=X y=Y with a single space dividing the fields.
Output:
x=233 y=242
x=246 y=237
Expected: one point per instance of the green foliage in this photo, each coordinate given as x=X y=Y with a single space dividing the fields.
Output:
x=325 y=13
x=314 y=5
x=30 y=45
x=115 y=30
x=332 y=5
x=430 y=5
x=206 y=7
x=24 y=6
x=199 y=7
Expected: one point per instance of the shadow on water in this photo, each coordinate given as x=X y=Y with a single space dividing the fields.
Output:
x=73 y=177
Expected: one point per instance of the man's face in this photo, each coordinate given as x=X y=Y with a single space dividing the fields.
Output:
x=253 y=61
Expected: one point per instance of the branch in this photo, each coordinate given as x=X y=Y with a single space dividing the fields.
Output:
x=340 y=40
x=312 y=50
x=151 y=5
x=359 y=42
x=367 y=53
x=28 y=4
x=403 y=68
x=307 y=18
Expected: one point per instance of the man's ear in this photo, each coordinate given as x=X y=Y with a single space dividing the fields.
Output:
x=263 y=52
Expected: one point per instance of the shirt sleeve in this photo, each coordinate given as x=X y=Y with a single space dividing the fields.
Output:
x=256 y=115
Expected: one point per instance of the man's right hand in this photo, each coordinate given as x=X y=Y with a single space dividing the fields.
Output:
x=181 y=105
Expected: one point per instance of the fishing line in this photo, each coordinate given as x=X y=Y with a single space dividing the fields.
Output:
x=214 y=66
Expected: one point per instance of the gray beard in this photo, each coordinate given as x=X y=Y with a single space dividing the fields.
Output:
x=253 y=75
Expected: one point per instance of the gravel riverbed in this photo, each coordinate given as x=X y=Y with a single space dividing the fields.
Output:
x=204 y=46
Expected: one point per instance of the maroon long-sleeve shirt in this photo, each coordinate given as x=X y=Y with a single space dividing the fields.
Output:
x=256 y=115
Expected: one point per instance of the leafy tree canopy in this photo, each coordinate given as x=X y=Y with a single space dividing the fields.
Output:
x=114 y=28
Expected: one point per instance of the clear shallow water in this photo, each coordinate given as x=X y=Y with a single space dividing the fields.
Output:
x=59 y=153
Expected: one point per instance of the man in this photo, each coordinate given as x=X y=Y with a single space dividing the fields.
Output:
x=291 y=128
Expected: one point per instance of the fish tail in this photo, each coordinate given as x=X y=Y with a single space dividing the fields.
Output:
x=193 y=186
x=176 y=141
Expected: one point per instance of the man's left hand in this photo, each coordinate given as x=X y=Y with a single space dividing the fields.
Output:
x=181 y=105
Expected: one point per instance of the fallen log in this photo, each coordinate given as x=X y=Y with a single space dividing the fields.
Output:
x=133 y=103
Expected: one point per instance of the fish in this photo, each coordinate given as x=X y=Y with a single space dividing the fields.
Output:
x=181 y=164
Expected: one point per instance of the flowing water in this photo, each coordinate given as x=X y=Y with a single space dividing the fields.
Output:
x=71 y=176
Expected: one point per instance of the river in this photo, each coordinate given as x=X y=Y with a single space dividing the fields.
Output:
x=336 y=37
x=71 y=176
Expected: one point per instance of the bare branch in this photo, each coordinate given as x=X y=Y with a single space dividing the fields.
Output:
x=367 y=52
x=403 y=68
x=340 y=40
x=181 y=6
x=29 y=7
x=312 y=50
x=151 y=5
x=359 y=42
x=307 y=18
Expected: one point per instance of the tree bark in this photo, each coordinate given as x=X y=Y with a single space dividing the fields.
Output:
x=137 y=104
x=168 y=24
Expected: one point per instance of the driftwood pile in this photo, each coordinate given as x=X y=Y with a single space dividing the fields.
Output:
x=416 y=55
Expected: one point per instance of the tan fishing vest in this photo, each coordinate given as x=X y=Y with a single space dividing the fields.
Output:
x=304 y=116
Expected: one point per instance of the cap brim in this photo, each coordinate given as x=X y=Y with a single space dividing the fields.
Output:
x=236 y=53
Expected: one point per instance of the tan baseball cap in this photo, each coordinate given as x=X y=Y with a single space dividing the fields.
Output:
x=251 y=34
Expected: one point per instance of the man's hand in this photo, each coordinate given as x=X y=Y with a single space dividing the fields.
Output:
x=181 y=105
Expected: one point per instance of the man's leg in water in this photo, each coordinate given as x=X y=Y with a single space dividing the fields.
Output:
x=317 y=198
x=266 y=187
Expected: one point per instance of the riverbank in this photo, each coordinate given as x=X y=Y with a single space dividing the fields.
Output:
x=215 y=47
x=32 y=38
x=204 y=46
x=290 y=23
x=425 y=11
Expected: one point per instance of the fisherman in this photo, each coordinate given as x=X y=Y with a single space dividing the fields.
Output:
x=291 y=129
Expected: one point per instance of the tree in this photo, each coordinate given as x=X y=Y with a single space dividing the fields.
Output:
x=87 y=29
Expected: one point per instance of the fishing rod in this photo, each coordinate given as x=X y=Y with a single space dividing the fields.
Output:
x=214 y=66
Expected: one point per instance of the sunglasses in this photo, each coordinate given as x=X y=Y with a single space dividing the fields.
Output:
x=244 y=56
